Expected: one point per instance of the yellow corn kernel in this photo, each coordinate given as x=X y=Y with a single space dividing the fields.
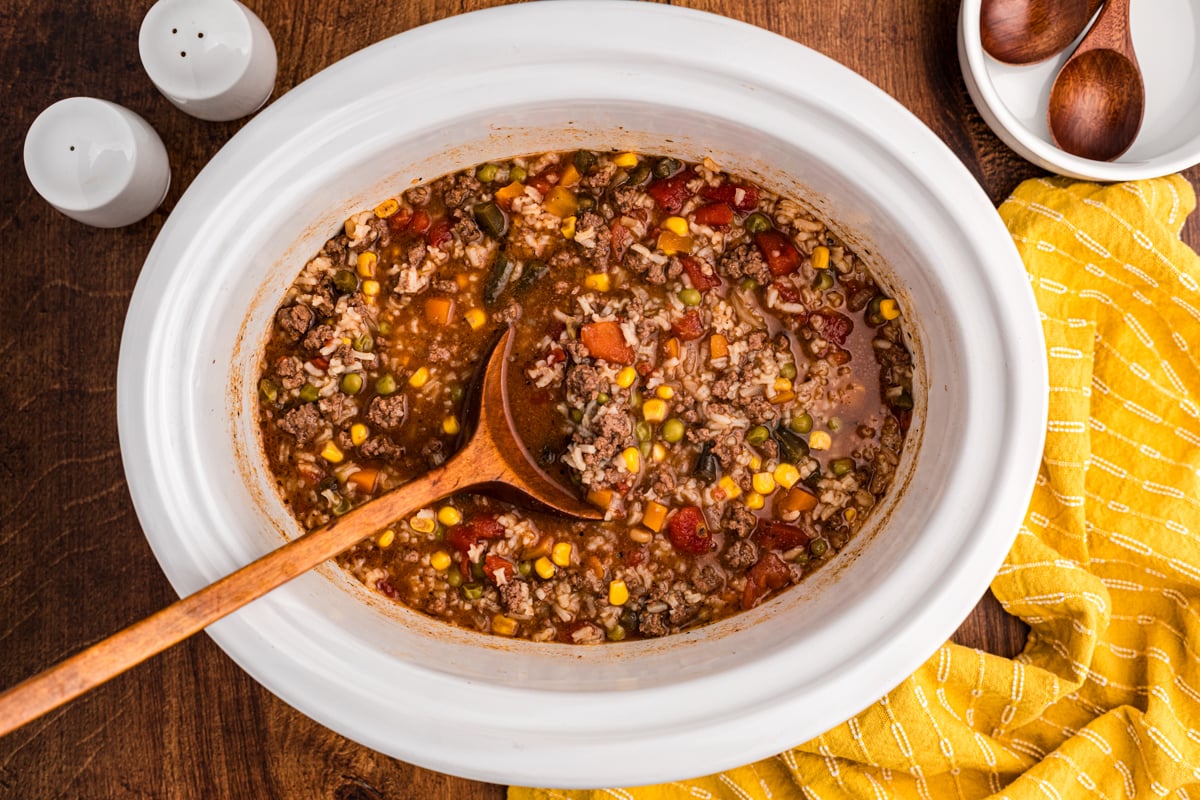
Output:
x=632 y=458
x=656 y=514
x=641 y=536
x=850 y=514
x=370 y=288
x=755 y=501
x=625 y=160
x=676 y=225
x=331 y=453
x=888 y=309
x=601 y=498
x=544 y=568
x=598 y=282
x=449 y=516
x=476 y=318
x=658 y=452
x=819 y=440
x=358 y=433
x=419 y=378
x=568 y=228
x=654 y=410
x=764 y=482
x=366 y=264
x=561 y=554
x=505 y=626
x=729 y=487
x=618 y=593
x=786 y=475
x=664 y=392
x=626 y=377
x=782 y=384
x=450 y=425
x=386 y=538
x=755 y=463
x=440 y=560
x=422 y=524
x=820 y=257
x=387 y=208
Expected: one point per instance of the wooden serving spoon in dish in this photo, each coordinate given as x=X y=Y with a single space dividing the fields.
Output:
x=493 y=459
x=1029 y=31
x=1099 y=98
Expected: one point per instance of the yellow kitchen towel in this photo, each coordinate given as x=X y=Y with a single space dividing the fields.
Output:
x=1104 y=701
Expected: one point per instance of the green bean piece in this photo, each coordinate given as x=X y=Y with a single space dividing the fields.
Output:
x=757 y=223
x=486 y=173
x=635 y=399
x=309 y=393
x=267 y=390
x=477 y=570
x=533 y=272
x=497 y=279
x=619 y=179
x=834 y=424
x=791 y=446
x=343 y=505
x=800 y=558
x=345 y=281
x=603 y=398
x=672 y=430
x=351 y=383
x=706 y=464
x=904 y=402
x=757 y=435
x=385 y=328
x=616 y=633
x=639 y=174
x=788 y=371
x=689 y=297
x=525 y=567
x=824 y=281
x=818 y=547
x=642 y=431
x=665 y=167
x=576 y=415
x=628 y=619
x=385 y=384
x=456 y=392
x=645 y=448
x=454 y=578
x=363 y=343
x=842 y=466
x=584 y=161
x=472 y=591
x=586 y=202
x=802 y=423
x=518 y=174
x=490 y=219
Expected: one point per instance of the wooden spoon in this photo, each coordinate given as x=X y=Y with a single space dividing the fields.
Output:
x=1029 y=31
x=1099 y=98
x=493 y=459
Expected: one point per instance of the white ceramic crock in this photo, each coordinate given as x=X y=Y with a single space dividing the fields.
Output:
x=600 y=75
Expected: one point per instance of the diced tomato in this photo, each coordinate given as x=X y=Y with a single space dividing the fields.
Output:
x=621 y=239
x=544 y=180
x=605 y=340
x=688 y=531
x=832 y=326
x=782 y=256
x=439 y=233
x=420 y=221
x=787 y=292
x=700 y=279
x=494 y=565
x=399 y=221
x=635 y=556
x=780 y=535
x=728 y=193
x=714 y=214
x=465 y=535
x=769 y=574
x=320 y=362
x=644 y=368
x=671 y=193
x=689 y=326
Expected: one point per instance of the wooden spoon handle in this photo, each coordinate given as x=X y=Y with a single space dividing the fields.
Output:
x=47 y=690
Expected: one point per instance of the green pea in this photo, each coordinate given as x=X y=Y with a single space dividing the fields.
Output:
x=642 y=431
x=454 y=578
x=748 y=284
x=584 y=161
x=787 y=371
x=690 y=297
x=525 y=567
x=665 y=167
x=824 y=281
x=603 y=398
x=672 y=430
x=267 y=390
x=363 y=343
x=351 y=383
x=834 y=424
x=842 y=466
x=309 y=393
x=385 y=384
x=490 y=219
x=757 y=435
x=486 y=173
x=576 y=415
x=456 y=392
x=757 y=223
x=802 y=423
x=472 y=591
x=385 y=328
x=818 y=547
x=616 y=634
x=517 y=174
x=345 y=281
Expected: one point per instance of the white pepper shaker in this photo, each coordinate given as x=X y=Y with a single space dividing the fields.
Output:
x=214 y=59
x=97 y=162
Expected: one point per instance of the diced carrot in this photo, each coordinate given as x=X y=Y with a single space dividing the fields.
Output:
x=671 y=347
x=561 y=202
x=605 y=340
x=786 y=396
x=570 y=176
x=505 y=195
x=601 y=498
x=796 y=499
x=656 y=514
x=671 y=243
x=595 y=566
x=439 y=310
x=718 y=346
x=365 y=479
x=420 y=221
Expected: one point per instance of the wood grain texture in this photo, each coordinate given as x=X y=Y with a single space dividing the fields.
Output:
x=190 y=723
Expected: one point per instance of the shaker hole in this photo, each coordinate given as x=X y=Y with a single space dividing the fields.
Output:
x=200 y=35
x=174 y=31
x=72 y=148
x=183 y=54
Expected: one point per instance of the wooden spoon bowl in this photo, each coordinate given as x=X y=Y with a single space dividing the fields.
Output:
x=1029 y=31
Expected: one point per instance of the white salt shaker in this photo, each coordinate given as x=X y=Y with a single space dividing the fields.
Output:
x=214 y=59
x=97 y=162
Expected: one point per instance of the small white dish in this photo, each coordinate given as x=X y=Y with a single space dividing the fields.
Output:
x=213 y=59
x=1012 y=100
x=97 y=162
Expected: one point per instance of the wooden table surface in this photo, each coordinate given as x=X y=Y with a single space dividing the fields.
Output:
x=76 y=565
